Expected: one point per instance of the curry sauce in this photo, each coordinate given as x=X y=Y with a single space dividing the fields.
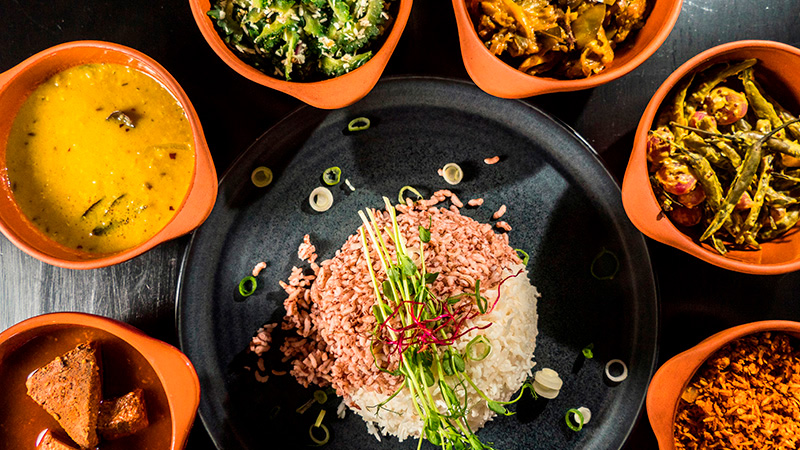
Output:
x=100 y=157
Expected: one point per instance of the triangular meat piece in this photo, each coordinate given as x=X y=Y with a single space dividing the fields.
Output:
x=69 y=388
x=122 y=416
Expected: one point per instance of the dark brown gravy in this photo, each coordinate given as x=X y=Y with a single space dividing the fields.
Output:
x=123 y=369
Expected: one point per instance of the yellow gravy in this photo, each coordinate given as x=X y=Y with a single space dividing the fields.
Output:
x=100 y=157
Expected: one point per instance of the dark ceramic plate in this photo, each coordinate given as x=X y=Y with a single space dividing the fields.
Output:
x=564 y=207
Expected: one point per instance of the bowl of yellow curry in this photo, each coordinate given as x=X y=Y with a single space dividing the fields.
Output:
x=102 y=156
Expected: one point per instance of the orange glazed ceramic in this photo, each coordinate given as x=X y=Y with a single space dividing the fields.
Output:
x=672 y=378
x=131 y=360
x=333 y=93
x=781 y=64
x=15 y=86
x=496 y=77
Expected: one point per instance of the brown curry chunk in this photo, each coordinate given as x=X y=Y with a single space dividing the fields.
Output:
x=69 y=389
x=122 y=416
x=49 y=442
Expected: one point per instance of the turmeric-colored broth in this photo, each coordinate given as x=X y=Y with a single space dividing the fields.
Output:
x=91 y=182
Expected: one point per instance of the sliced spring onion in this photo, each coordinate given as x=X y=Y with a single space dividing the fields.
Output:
x=585 y=412
x=332 y=175
x=320 y=416
x=347 y=182
x=523 y=256
x=482 y=351
x=324 y=429
x=358 y=124
x=410 y=189
x=548 y=378
x=587 y=351
x=320 y=199
x=247 y=286
x=571 y=413
x=273 y=413
x=611 y=274
x=616 y=378
x=452 y=173
x=304 y=407
x=261 y=176
x=320 y=396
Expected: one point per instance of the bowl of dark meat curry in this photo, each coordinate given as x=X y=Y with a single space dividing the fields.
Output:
x=715 y=168
x=79 y=381
x=521 y=48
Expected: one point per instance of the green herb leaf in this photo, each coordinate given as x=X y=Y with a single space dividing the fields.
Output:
x=458 y=363
x=424 y=234
x=429 y=380
x=499 y=409
x=431 y=277
x=409 y=269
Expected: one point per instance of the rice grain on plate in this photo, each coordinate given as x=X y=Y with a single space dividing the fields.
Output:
x=331 y=312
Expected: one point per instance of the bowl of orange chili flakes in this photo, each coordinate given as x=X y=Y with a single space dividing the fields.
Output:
x=738 y=389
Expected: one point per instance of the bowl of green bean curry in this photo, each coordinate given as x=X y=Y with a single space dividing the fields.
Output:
x=715 y=168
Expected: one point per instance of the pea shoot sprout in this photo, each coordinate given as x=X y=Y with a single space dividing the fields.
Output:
x=261 y=176
x=321 y=199
x=411 y=189
x=247 y=286
x=452 y=173
x=332 y=175
x=358 y=124
x=523 y=256
x=598 y=265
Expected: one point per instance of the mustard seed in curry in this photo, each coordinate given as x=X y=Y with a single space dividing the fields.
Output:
x=100 y=157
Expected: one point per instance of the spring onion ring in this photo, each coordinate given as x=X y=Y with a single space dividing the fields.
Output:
x=407 y=188
x=320 y=396
x=320 y=416
x=568 y=418
x=587 y=351
x=247 y=286
x=332 y=175
x=320 y=199
x=482 y=352
x=616 y=378
x=597 y=258
x=358 y=124
x=261 y=176
x=547 y=383
x=324 y=430
x=452 y=173
x=525 y=258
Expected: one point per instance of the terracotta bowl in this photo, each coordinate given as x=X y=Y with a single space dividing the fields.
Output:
x=333 y=93
x=499 y=79
x=130 y=359
x=779 y=69
x=15 y=86
x=672 y=378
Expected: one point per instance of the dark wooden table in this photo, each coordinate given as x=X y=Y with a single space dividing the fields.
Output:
x=696 y=299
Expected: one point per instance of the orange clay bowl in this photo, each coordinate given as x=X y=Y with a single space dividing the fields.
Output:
x=15 y=86
x=499 y=79
x=672 y=378
x=779 y=64
x=332 y=93
x=131 y=360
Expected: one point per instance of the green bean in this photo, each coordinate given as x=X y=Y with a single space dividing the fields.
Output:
x=677 y=109
x=696 y=144
x=786 y=222
x=705 y=175
x=778 y=198
x=784 y=146
x=717 y=76
x=762 y=108
x=761 y=192
x=742 y=125
x=744 y=176
x=730 y=153
x=783 y=113
x=718 y=245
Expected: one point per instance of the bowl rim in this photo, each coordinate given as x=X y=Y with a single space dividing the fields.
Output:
x=643 y=210
x=333 y=93
x=499 y=79
x=182 y=391
x=663 y=394
x=201 y=195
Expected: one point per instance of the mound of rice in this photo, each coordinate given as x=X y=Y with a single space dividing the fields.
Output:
x=331 y=312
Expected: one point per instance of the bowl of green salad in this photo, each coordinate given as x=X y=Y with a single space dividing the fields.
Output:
x=327 y=53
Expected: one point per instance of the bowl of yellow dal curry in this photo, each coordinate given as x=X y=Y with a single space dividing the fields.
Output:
x=102 y=156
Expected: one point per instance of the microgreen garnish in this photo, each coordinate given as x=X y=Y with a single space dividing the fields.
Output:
x=417 y=329
x=410 y=189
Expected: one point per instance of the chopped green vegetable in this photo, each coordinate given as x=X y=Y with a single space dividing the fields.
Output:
x=247 y=286
x=525 y=258
x=596 y=261
x=410 y=189
x=324 y=429
x=332 y=175
x=358 y=124
x=320 y=416
x=587 y=351
x=320 y=396
x=570 y=422
x=261 y=176
x=302 y=40
x=304 y=407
